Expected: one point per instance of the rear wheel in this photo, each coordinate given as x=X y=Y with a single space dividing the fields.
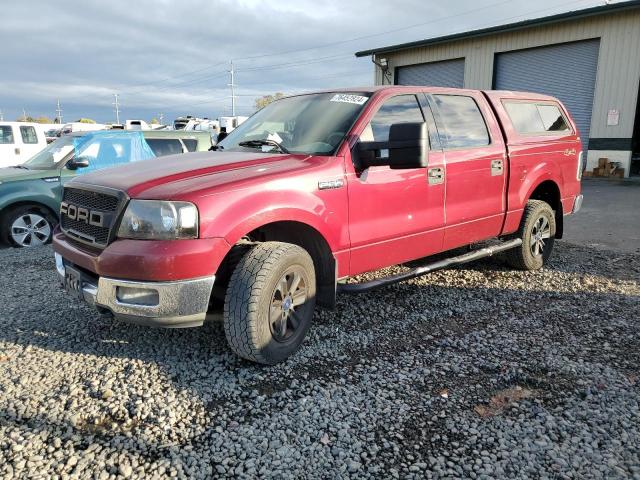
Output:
x=537 y=231
x=269 y=302
x=27 y=226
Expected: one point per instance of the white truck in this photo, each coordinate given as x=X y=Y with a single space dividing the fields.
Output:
x=19 y=141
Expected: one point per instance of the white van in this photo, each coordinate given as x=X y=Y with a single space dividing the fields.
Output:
x=19 y=141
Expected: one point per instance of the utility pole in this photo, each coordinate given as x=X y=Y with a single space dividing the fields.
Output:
x=24 y=115
x=1 y=116
x=59 y=113
x=115 y=95
x=233 y=95
x=161 y=118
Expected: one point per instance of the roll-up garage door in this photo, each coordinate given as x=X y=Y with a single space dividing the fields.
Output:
x=566 y=71
x=448 y=73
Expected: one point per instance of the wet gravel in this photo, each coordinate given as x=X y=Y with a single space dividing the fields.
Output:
x=477 y=372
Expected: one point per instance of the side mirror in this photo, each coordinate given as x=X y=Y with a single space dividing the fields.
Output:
x=408 y=147
x=76 y=163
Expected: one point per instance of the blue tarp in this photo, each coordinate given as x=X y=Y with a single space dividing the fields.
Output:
x=111 y=148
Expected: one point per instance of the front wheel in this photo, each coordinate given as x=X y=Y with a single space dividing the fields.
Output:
x=26 y=227
x=269 y=302
x=537 y=231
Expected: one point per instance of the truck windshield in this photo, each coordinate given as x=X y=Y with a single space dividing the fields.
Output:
x=313 y=124
x=51 y=155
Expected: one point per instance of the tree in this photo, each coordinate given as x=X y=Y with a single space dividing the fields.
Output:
x=86 y=120
x=267 y=99
x=154 y=121
x=29 y=118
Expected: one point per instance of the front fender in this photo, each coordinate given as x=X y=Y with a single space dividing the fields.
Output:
x=233 y=214
x=31 y=191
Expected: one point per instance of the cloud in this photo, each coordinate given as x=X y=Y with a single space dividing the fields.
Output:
x=172 y=57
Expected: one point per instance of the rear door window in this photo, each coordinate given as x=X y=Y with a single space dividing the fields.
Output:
x=464 y=125
x=29 y=135
x=165 y=146
x=191 y=144
x=6 y=134
x=534 y=119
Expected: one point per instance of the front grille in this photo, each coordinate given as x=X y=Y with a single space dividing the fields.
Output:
x=90 y=199
x=96 y=202
x=86 y=232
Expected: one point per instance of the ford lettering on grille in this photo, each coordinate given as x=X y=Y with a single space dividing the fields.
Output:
x=89 y=216
x=81 y=214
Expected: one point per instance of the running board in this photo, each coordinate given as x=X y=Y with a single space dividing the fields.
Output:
x=432 y=267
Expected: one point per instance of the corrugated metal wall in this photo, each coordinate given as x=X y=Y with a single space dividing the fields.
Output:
x=566 y=71
x=618 y=69
x=449 y=73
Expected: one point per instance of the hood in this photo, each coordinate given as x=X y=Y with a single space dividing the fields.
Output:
x=17 y=174
x=177 y=176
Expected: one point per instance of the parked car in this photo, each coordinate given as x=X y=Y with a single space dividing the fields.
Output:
x=19 y=141
x=53 y=134
x=315 y=189
x=30 y=193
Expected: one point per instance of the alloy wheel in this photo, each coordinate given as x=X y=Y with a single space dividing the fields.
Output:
x=30 y=230
x=287 y=304
x=539 y=234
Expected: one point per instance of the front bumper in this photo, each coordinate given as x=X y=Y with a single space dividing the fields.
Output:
x=182 y=303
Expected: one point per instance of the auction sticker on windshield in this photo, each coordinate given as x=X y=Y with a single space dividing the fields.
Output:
x=344 y=98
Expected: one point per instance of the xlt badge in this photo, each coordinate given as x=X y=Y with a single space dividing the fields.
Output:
x=327 y=184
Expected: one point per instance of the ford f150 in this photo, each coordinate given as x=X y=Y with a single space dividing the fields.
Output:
x=312 y=190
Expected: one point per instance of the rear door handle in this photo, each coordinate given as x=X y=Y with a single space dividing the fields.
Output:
x=17 y=150
x=435 y=175
x=497 y=167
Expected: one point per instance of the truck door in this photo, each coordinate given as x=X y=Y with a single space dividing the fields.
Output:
x=395 y=215
x=476 y=167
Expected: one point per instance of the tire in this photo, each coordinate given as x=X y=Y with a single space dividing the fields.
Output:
x=537 y=231
x=269 y=302
x=26 y=226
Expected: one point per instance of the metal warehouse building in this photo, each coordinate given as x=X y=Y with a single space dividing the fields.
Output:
x=589 y=59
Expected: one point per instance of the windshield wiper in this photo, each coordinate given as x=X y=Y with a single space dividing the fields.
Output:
x=265 y=142
x=216 y=147
x=19 y=166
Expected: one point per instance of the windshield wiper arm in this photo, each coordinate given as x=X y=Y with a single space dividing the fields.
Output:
x=20 y=166
x=260 y=143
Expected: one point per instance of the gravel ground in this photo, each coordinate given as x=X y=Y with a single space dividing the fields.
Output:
x=477 y=372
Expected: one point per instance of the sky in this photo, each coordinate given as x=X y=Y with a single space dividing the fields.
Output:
x=173 y=58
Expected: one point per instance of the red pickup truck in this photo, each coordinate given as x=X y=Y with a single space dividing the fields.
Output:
x=312 y=190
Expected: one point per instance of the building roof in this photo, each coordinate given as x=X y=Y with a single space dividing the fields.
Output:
x=561 y=17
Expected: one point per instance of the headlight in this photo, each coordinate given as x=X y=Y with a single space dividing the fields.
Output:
x=159 y=220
